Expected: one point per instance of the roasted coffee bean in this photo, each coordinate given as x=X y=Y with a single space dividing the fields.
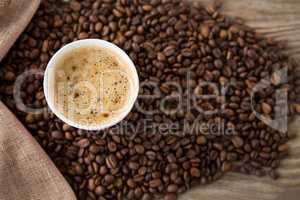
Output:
x=111 y=161
x=109 y=179
x=151 y=155
x=232 y=156
x=171 y=44
x=142 y=170
x=83 y=143
x=170 y=196
x=139 y=149
x=57 y=135
x=103 y=170
x=91 y=184
x=131 y=183
x=266 y=108
x=112 y=147
x=195 y=172
x=133 y=165
x=94 y=148
x=201 y=140
x=275 y=79
x=29 y=119
x=99 y=190
x=83 y=35
x=205 y=31
x=78 y=169
x=9 y=76
x=168 y=51
x=155 y=183
x=283 y=148
x=237 y=141
x=75 y=6
x=172 y=188
x=146 y=196
x=226 y=167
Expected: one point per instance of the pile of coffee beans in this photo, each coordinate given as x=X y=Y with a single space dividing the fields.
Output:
x=177 y=46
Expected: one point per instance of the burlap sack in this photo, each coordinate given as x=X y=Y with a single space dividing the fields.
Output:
x=26 y=172
x=14 y=16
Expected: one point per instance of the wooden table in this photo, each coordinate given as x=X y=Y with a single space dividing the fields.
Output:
x=281 y=20
x=277 y=18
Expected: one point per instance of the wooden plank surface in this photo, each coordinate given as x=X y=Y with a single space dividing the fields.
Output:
x=281 y=20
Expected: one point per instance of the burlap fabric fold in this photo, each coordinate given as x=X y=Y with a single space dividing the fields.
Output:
x=26 y=172
x=14 y=16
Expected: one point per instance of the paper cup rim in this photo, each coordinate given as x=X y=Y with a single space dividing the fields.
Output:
x=113 y=48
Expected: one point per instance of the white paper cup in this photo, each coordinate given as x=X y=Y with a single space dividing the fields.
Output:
x=49 y=82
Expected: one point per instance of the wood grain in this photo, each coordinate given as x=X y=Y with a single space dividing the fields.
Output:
x=276 y=18
x=279 y=19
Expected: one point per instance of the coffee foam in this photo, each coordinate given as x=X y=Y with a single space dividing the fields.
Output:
x=92 y=85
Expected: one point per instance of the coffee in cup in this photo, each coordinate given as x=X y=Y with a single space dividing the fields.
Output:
x=91 y=85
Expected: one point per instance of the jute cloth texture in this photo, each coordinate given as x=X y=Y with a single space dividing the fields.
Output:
x=26 y=172
x=14 y=16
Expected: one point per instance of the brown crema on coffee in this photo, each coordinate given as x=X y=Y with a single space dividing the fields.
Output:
x=91 y=85
x=171 y=42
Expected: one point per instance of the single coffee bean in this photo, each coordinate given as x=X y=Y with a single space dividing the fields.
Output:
x=146 y=196
x=232 y=156
x=131 y=183
x=226 y=167
x=57 y=135
x=138 y=192
x=201 y=140
x=133 y=165
x=168 y=51
x=223 y=34
x=99 y=190
x=109 y=179
x=172 y=188
x=83 y=35
x=170 y=196
x=75 y=6
x=237 y=141
x=161 y=57
x=91 y=184
x=9 y=76
x=103 y=170
x=147 y=8
x=283 y=148
x=83 y=143
x=155 y=183
x=142 y=171
x=78 y=169
x=195 y=172
x=117 y=13
x=112 y=147
x=94 y=148
x=266 y=108
x=275 y=79
x=111 y=161
x=151 y=155
x=205 y=31
x=139 y=149
x=29 y=119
